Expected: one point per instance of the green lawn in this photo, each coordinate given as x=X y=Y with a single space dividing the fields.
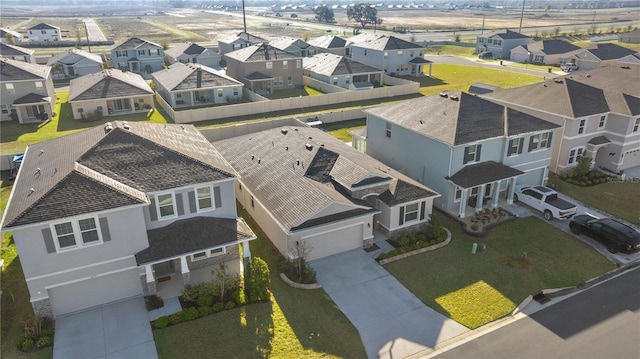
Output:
x=279 y=329
x=477 y=289
x=340 y=130
x=618 y=198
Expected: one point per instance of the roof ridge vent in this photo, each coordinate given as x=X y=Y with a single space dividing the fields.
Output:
x=125 y=125
x=284 y=131
x=454 y=98
x=308 y=146
x=108 y=127
x=444 y=94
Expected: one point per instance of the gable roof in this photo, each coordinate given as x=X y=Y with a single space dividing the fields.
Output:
x=330 y=64
x=507 y=34
x=135 y=43
x=5 y=31
x=107 y=84
x=244 y=37
x=459 y=118
x=67 y=56
x=611 y=77
x=609 y=51
x=185 y=48
x=387 y=43
x=192 y=76
x=296 y=172
x=109 y=169
x=13 y=50
x=481 y=173
x=262 y=52
x=13 y=70
x=329 y=42
x=551 y=47
x=284 y=42
x=44 y=26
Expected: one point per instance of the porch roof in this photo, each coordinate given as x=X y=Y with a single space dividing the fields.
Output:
x=193 y=235
x=31 y=98
x=599 y=140
x=482 y=173
x=258 y=76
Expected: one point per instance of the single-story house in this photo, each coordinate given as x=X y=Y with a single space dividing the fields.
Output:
x=75 y=62
x=341 y=71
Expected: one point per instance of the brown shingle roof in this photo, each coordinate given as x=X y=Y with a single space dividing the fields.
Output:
x=12 y=70
x=108 y=84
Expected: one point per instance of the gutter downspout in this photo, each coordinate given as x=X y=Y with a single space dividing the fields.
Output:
x=564 y=127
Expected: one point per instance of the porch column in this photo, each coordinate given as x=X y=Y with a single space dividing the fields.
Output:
x=132 y=103
x=246 y=256
x=186 y=274
x=496 y=194
x=191 y=97
x=464 y=197
x=480 y=198
x=151 y=280
x=511 y=190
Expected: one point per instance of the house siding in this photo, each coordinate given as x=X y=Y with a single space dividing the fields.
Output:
x=23 y=88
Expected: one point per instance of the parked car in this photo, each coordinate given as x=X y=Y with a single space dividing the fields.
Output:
x=568 y=67
x=617 y=236
x=485 y=55
x=545 y=200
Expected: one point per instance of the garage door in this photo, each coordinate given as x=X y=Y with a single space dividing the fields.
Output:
x=335 y=241
x=533 y=177
x=93 y=292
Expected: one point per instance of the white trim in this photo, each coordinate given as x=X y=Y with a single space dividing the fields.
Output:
x=77 y=234
x=333 y=230
x=173 y=204
x=211 y=197
x=77 y=268
x=89 y=277
x=208 y=254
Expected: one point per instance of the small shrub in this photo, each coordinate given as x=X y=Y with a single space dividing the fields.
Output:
x=204 y=311
x=239 y=297
x=588 y=182
x=44 y=342
x=27 y=345
x=162 y=322
x=205 y=301
x=581 y=183
x=191 y=314
x=218 y=307
x=229 y=305
x=48 y=332
x=177 y=318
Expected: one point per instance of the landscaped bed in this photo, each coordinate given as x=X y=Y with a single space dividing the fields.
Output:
x=522 y=257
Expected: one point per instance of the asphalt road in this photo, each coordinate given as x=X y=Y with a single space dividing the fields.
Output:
x=602 y=322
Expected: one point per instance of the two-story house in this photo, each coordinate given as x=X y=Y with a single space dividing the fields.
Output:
x=239 y=41
x=393 y=55
x=599 y=111
x=121 y=210
x=303 y=186
x=188 y=52
x=138 y=55
x=341 y=71
x=44 y=33
x=265 y=69
x=546 y=52
x=294 y=46
x=26 y=91
x=18 y=53
x=189 y=85
x=500 y=44
x=332 y=44
x=75 y=62
x=470 y=150
x=8 y=36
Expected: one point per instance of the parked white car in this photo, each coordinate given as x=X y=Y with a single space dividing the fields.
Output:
x=568 y=67
x=545 y=200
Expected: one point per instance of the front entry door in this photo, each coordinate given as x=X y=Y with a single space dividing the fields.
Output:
x=164 y=269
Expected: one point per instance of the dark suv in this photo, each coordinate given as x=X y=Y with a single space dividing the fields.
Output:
x=615 y=235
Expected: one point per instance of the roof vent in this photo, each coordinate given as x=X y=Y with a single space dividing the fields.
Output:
x=558 y=81
x=125 y=125
x=37 y=171
x=311 y=138
x=31 y=190
x=107 y=127
x=286 y=148
x=284 y=131
x=258 y=161
x=252 y=157
x=308 y=146
x=625 y=67
x=443 y=94
x=588 y=75
x=41 y=152
x=421 y=122
x=454 y=98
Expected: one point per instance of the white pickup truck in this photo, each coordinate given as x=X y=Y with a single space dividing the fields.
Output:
x=545 y=200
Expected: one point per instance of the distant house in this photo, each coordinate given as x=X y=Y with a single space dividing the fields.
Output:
x=264 y=69
x=631 y=37
x=633 y=59
x=305 y=187
x=44 y=33
x=192 y=53
x=393 y=55
x=294 y=46
x=500 y=44
x=332 y=44
x=123 y=210
x=26 y=91
x=545 y=52
x=17 y=53
x=237 y=42
x=6 y=34
x=75 y=62
x=109 y=92
x=468 y=149
x=138 y=56
x=596 y=55
x=188 y=85
x=341 y=71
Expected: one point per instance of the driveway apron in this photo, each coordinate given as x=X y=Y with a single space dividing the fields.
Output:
x=119 y=330
x=392 y=322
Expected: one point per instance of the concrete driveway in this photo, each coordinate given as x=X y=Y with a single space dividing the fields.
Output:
x=393 y=323
x=119 y=330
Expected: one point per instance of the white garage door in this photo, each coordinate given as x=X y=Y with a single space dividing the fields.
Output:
x=335 y=241
x=93 y=292
x=533 y=177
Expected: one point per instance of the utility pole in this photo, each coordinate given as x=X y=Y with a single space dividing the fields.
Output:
x=86 y=31
x=482 y=31
x=244 y=21
x=521 y=16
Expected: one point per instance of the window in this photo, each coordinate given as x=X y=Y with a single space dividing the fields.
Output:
x=515 y=146
x=43 y=31
x=603 y=120
x=253 y=205
x=458 y=194
x=269 y=65
x=365 y=52
x=497 y=42
x=334 y=80
x=285 y=64
x=277 y=81
x=205 y=198
x=298 y=64
x=39 y=86
x=154 y=52
x=575 y=154
x=121 y=53
x=538 y=59
x=10 y=88
x=386 y=54
x=80 y=110
x=88 y=230
x=388 y=130
x=64 y=235
x=347 y=79
x=141 y=100
x=540 y=141
x=411 y=54
x=208 y=254
x=166 y=205
x=141 y=52
x=471 y=153
x=289 y=80
x=481 y=40
x=235 y=91
x=410 y=212
x=4 y=109
x=399 y=52
x=581 y=126
x=220 y=92
x=636 y=125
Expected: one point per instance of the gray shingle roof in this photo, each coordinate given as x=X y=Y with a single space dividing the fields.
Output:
x=193 y=235
x=609 y=51
x=481 y=88
x=466 y=119
x=330 y=64
x=136 y=43
x=108 y=84
x=31 y=98
x=44 y=26
x=329 y=42
x=599 y=140
x=185 y=48
x=387 y=43
x=109 y=170
x=284 y=42
x=611 y=77
x=13 y=50
x=552 y=47
x=66 y=56
x=192 y=76
x=13 y=70
x=257 y=76
x=262 y=52
x=4 y=32
x=507 y=34
x=482 y=173
x=244 y=37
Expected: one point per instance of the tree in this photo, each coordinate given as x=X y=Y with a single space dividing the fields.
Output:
x=364 y=14
x=300 y=250
x=11 y=40
x=258 y=281
x=324 y=14
x=223 y=279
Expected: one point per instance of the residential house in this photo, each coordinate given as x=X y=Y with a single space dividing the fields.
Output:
x=341 y=71
x=264 y=69
x=26 y=91
x=109 y=93
x=631 y=37
x=44 y=33
x=121 y=210
x=8 y=36
x=239 y=41
x=596 y=55
x=192 y=53
x=500 y=44
x=479 y=88
x=138 y=56
x=393 y=55
x=331 y=44
x=188 y=85
x=17 y=53
x=633 y=59
x=305 y=188
x=75 y=62
x=545 y=52
x=294 y=46
x=599 y=111
x=470 y=150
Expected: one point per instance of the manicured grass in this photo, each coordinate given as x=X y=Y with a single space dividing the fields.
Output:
x=295 y=92
x=477 y=289
x=341 y=130
x=452 y=50
x=618 y=198
x=279 y=329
